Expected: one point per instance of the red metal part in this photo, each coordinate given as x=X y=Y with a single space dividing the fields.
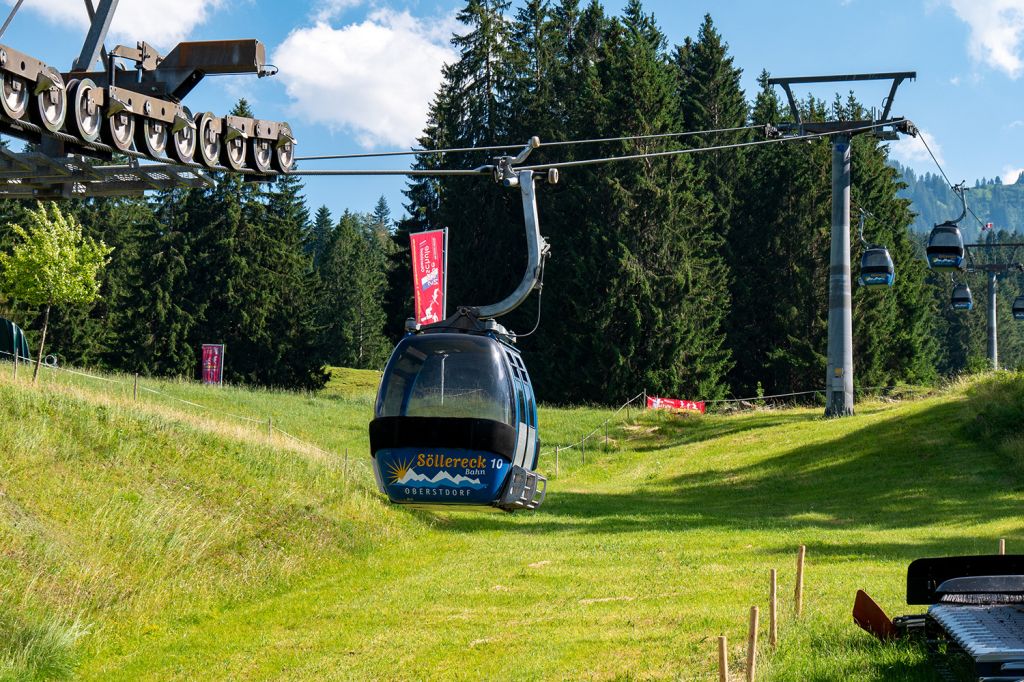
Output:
x=871 y=618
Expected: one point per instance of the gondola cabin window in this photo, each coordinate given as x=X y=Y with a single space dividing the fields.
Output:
x=445 y=378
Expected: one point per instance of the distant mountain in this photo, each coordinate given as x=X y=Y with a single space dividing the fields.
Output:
x=991 y=200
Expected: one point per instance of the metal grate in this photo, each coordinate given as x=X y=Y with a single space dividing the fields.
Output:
x=36 y=175
x=993 y=633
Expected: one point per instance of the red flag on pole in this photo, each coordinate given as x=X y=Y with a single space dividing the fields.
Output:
x=213 y=363
x=429 y=279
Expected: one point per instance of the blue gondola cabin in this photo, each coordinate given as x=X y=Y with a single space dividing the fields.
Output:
x=455 y=423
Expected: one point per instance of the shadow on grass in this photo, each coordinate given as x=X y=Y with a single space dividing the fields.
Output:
x=903 y=472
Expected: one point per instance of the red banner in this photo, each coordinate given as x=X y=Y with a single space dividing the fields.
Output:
x=213 y=363
x=428 y=274
x=655 y=403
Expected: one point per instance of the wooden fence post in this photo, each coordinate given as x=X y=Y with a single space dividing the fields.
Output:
x=135 y=387
x=773 y=607
x=556 y=461
x=799 y=594
x=270 y=426
x=723 y=660
x=752 y=645
x=1002 y=545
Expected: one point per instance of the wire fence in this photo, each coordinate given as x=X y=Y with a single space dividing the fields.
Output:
x=136 y=387
x=754 y=401
x=579 y=445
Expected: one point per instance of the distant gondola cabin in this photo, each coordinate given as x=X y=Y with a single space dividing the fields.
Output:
x=945 y=248
x=876 y=268
x=1018 y=308
x=962 y=299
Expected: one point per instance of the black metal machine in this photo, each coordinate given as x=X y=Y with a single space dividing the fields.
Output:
x=975 y=608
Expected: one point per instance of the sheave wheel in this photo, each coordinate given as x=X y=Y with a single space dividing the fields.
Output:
x=14 y=98
x=284 y=153
x=151 y=138
x=261 y=153
x=233 y=153
x=184 y=141
x=86 y=118
x=209 y=141
x=118 y=130
x=50 y=102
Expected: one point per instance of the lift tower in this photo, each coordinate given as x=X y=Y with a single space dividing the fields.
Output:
x=839 y=373
x=995 y=260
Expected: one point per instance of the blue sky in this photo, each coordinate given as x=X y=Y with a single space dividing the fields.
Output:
x=357 y=76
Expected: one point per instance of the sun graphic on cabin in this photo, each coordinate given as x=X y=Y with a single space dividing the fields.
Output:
x=398 y=469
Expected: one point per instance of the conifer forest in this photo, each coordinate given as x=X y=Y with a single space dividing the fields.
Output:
x=701 y=276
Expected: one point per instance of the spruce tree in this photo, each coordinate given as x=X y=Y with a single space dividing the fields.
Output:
x=292 y=357
x=711 y=98
x=351 y=313
x=158 y=330
x=319 y=235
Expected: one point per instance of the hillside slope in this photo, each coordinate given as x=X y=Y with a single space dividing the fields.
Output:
x=140 y=542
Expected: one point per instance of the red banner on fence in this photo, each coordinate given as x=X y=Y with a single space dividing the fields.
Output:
x=429 y=261
x=213 y=363
x=656 y=403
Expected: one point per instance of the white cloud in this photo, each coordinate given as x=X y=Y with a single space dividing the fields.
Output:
x=910 y=151
x=997 y=30
x=1010 y=174
x=332 y=9
x=374 y=79
x=162 y=23
x=1015 y=124
x=954 y=81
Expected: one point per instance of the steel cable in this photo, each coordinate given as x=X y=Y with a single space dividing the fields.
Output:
x=556 y=143
x=946 y=178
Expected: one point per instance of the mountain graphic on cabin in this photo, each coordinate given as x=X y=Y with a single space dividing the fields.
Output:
x=405 y=475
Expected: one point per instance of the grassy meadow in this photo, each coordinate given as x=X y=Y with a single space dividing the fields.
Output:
x=154 y=539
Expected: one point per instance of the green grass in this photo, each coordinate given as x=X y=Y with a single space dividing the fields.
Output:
x=351 y=383
x=156 y=540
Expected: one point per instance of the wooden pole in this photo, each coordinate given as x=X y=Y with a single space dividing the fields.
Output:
x=583 y=451
x=752 y=645
x=135 y=387
x=799 y=595
x=1002 y=545
x=723 y=660
x=270 y=426
x=15 y=365
x=556 y=461
x=773 y=610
